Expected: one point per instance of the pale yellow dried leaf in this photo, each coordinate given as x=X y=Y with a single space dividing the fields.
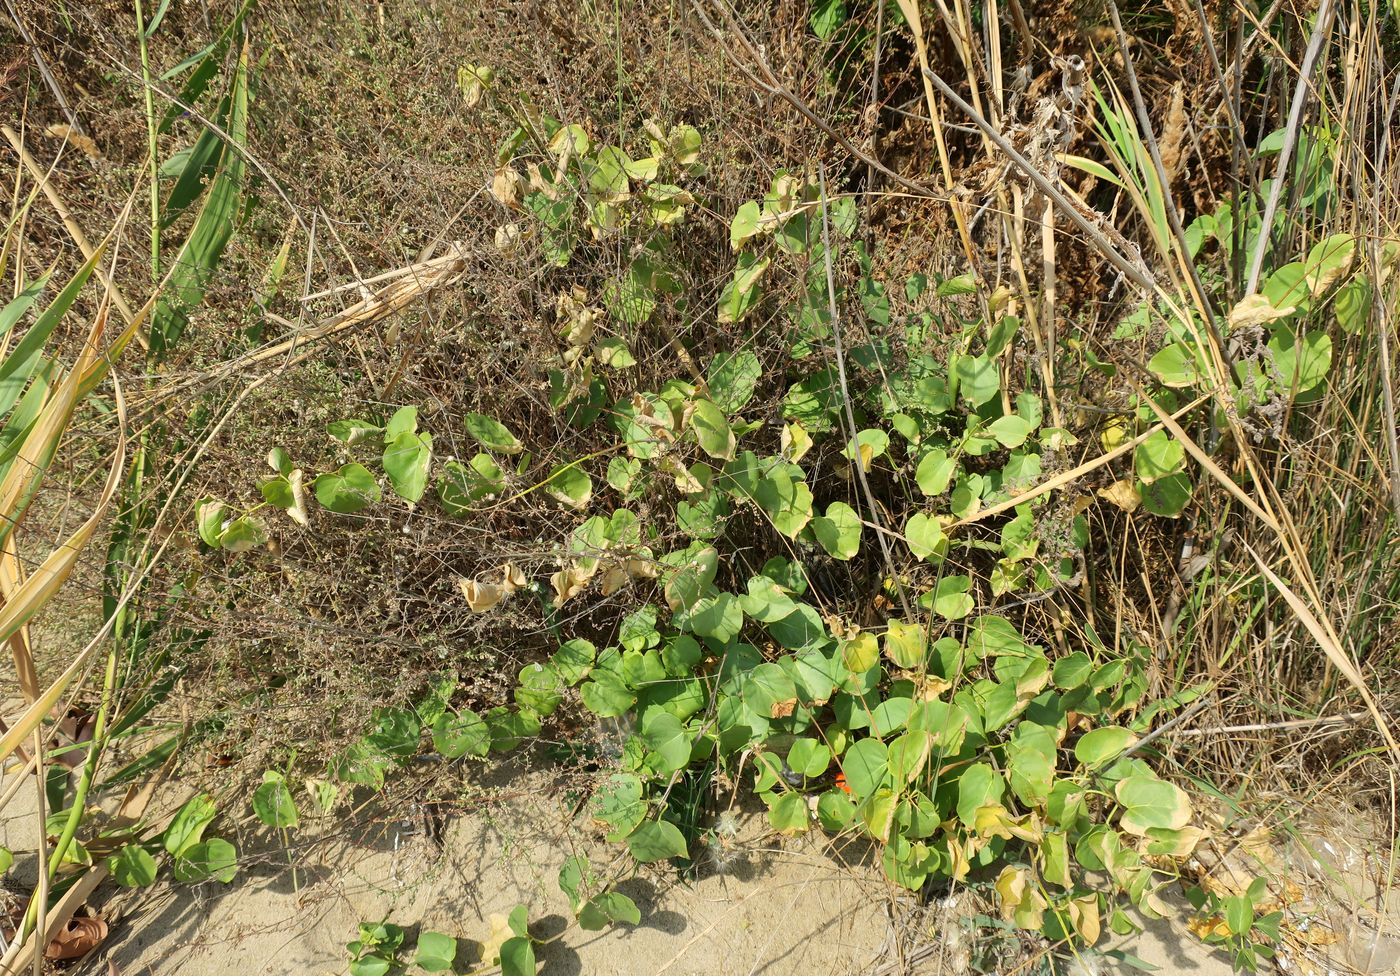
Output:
x=1122 y=493
x=481 y=596
x=1256 y=309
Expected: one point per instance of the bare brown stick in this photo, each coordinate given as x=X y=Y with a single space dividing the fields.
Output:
x=1346 y=718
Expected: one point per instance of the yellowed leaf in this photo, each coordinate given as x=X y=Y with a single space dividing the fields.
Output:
x=480 y=596
x=1256 y=309
x=508 y=186
x=74 y=138
x=1122 y=493
x=1084 y=915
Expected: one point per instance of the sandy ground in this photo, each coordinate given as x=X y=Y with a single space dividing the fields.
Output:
x=779 y=907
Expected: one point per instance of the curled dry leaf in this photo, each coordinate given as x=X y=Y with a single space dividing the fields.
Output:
x=1257 y=310
x=538 y=184
x=513 y=578
x=481 y=596
x=484 y=596
x=298 y=511
x=473 y=80
x=1122 y=493
x=508 y=186
x=75 y=138
x=507 y=238
x=639 y=568
x=614 y=579
x=568 y=583
x=686 y=483
x=79 y=936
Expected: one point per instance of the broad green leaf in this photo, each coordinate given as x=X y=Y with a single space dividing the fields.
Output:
x=370 y=965
x=492 y=434
x=935 y=472
x=1300 y=366
x=865 y=764
x=979 y=785
x=809 y=757
x=925 y=537
x=904 y=645
x=243 y=534
x=518 y=957
x=632 y=299
x=603 y=910
x=719 y=616
x=826 y=17
x=132 y=867
x=712 y=430
x=656 y=840
x=210 y=516
x=1158 y=456
x=668 y=739
x=1072 y=671
x=436 y=952
x=741 y=294
x=574 y=660
x=1101 y=746
x=978 y=378
x=1167 y=496
x=1328 y=261
x=1010 y=431
x=462 y=734
x=745 y=225
x=214 y=858
x=835 y=811
x=619 y=804
x=614 y=353
x=951 y=599
x=606 y=172
x=348 y=490
x=1175 y=366
x=787 y=812
x=908 y=755
x=1030 y=760
x=570 y=484
x=990 y=636
x=540 y=688
x=787 y=502
x=692 y=579
x=407 y=458
x=861 y=653
x=839 y=530
x=273 y=803
x=352 y=432
x=605 y=695
x=187 y=827
x=732 y=378
x=870 y=444
x=460 y=486
x=770 y=691
x=1150 y=803
x=403 y=421
x=1353 y=304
